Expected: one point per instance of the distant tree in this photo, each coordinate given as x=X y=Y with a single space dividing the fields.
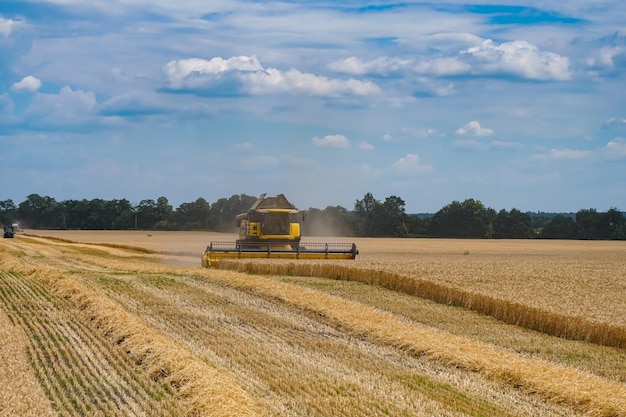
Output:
x=224 y=212
x=416 y=225
x=587 y=221
x=612 y=225
x=368 y=212
x=469 y=219
x=125 y=215
x=39 y=212
x=147 y=214
x=559 y=227
x=332 y=221
x=395 y=218
x=512 y=225
x=8 y=212
x=164 y=213
x=193 y=216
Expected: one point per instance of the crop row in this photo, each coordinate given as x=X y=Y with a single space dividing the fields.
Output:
x=78 y=370
x=555 y=324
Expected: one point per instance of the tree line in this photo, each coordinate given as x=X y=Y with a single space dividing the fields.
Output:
x=369 y=217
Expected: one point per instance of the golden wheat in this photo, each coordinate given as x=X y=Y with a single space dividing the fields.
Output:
x=543 y=320
x=285 y=344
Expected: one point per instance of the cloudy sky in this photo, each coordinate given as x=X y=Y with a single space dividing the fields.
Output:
x=516 y=106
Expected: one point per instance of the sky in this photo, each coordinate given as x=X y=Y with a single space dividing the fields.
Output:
x=515 y=104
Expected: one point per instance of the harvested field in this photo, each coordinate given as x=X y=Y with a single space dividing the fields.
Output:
x=127 y=323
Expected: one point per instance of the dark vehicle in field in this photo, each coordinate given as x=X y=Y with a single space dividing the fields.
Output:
x=9 y=232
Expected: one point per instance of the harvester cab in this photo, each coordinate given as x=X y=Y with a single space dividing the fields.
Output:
x=271 y=229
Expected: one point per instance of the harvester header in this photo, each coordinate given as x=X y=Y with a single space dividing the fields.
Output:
x=271 y=229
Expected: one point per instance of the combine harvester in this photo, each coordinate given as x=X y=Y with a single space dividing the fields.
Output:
x=271 y=229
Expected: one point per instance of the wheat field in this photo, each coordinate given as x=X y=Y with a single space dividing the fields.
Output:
x=128 y=323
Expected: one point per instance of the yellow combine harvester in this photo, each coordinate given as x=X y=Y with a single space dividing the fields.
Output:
x=271 y=229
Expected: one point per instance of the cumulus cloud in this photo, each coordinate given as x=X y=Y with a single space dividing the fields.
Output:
x=197 y=72
x=474 y=128
x=66 y=108
x=366 y=146
x=246 y=74
x=331 y=141
x=518 y=57
x=28 y=84
x=411 y=164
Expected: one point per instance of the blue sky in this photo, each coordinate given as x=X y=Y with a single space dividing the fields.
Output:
x=518 y=106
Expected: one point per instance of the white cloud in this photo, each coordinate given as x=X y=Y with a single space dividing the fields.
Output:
x=475 y=145
x=381 y=65
x=249 y=75
x=366 y=146
x=473 y=128
x=196 y=72
x=331 y=141
x=518 y=57
x=387 y=137
x=7 y=25
x=67 y=107
x=442 y=67
x=616 y=149
x=612 y=122
x=420 y=133
x=564 y=154
x=411 y=164
x=28 y=84
x=605 y=57
x=290 y=81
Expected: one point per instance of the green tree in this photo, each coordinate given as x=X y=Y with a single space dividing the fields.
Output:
x=147 y=214
x=224 y=212
x=369 y=215
x=8 y=212
x=611 y=225
x=513 y=225
x=587 y=221
x=193 y=216
x=164 y=212
x=39 y=212
x=559 y=227
x=467 y=219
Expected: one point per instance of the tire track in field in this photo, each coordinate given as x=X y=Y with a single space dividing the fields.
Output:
x=80 y=374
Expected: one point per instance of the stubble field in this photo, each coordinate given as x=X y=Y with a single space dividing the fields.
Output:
x=128 y=323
